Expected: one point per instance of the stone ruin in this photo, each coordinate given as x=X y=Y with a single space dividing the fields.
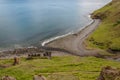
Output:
x=45 y=54
x=109 y=73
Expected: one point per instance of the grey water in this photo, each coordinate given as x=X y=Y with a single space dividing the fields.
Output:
x=29 y=22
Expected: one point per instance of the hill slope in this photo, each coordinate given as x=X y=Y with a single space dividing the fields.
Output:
x=107 y=36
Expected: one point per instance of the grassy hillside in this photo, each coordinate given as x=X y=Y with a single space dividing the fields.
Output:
x=107 y=36
x=59 y=68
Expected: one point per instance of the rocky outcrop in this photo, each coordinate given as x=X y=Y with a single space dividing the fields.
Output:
x=39 y=77
x=109 y=73
x=8 y=78
x=30 y=51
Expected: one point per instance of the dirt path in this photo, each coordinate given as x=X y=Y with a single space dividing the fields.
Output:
x=74 y=43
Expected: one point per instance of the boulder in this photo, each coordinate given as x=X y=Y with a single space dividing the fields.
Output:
x=109 y=73
x=39 y=77
x=8 y=78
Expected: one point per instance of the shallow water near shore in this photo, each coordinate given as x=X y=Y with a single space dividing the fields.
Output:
x=29 y=22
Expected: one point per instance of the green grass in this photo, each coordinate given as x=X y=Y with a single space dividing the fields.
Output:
x=58 y=68
x=107 y=36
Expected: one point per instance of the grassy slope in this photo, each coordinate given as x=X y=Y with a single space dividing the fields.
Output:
x=107 y=36
x=68 y=67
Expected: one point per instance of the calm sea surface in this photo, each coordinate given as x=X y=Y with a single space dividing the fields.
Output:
x=29 y=22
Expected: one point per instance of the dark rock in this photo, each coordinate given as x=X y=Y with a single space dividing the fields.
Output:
x=16 y=61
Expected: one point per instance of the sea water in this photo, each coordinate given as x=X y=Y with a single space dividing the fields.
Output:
x=30 y=22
